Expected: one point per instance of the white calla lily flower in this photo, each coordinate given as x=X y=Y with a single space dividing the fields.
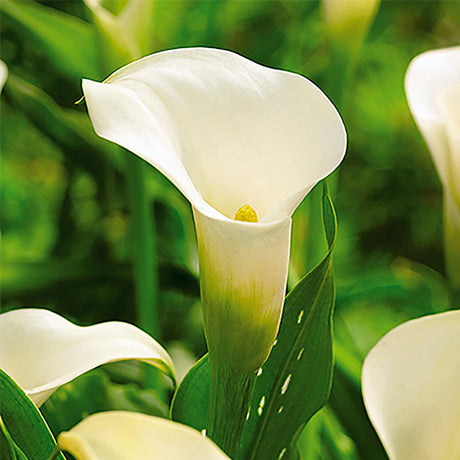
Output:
x=127 y=25
x=3 y=74
x=118 y=435
x=244 y=143
x=42 y=350
x=433 y=92
x=410 y=382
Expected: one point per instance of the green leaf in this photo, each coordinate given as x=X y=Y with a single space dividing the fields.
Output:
x=10 y=449
x=324 y=439
x=53 y=31
x=190 y=403
x=92 y=393
x=295 y=381
x=300 y=386
x=24 y=425
x=347 y=403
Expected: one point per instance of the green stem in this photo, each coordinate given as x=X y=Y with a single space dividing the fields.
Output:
x=341 y=64
x=228 y=405
x=143 y=248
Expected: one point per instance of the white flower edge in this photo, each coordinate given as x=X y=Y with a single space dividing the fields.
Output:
x=427 y=78
x=131 y=436
x=225 y=130
x=410 y=388
x=3 y=74
x=42 y=350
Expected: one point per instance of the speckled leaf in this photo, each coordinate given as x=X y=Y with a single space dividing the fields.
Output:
x=295 y=381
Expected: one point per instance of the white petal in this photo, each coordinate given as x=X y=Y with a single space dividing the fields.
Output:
x=225 y=130
x=3 y=74
x=243 y=272
x=411 y=388
x=41 y=350
x=427 y=76
x=130 y=436
x=449 y=107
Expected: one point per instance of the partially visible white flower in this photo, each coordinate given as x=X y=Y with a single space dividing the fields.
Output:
x=129 y=30
x=121 y=435
x=244 y=143
x=410 y=382
x=42 y=351
x=3 y=74
x=433 y=92
x=348 y=21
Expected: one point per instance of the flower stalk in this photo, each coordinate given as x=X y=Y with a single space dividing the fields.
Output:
x=143 y=248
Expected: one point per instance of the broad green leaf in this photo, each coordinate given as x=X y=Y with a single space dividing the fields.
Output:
x=295 y=381
x=9 y=449
x=53 y=31
x=190 y=403
x=24 y=423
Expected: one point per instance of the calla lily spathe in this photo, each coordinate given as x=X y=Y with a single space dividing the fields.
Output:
x=3 y=74
x=129 y=436
x=433 y=92
x=42 y=351
x=228 y=133
x=410 y=384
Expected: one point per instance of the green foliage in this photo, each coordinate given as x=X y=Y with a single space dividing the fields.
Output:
x=54 y=31
x=191 y=400
x=92 y=393
x=22 y=426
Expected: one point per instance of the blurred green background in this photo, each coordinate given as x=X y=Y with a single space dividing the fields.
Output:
x=65 y=215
